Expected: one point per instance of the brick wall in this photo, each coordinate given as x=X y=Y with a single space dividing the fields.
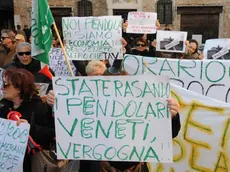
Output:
x=100 y=7
x=224 y=31
x=23 y=9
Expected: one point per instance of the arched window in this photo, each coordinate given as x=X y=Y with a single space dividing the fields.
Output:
x=85 y=8
x=164 y=11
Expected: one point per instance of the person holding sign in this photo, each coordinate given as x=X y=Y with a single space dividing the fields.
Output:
x=114 y=166
x=142 y=49
x=97 y=68
x=192 y=50
x=20 y=96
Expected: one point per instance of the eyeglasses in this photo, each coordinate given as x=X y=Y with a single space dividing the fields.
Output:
x=3 y=37
x=24 y=53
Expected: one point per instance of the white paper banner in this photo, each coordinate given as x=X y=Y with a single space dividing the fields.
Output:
x=171 y=41
x=113 y=118
x=141 y=22
x=207 y=77
x=217 y=49
x=13 y=143
x=203 y=143
x=89 y=38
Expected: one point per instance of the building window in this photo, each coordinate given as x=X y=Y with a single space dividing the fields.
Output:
x=85 y=8
x=164 y=11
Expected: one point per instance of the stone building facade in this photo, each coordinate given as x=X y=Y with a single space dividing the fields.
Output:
x=208 y=17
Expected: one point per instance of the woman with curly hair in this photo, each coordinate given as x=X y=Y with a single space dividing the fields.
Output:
x=20 y=95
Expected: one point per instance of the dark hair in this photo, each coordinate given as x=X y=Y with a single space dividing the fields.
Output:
x=114 y=71
x=141 y=40
x=23 y=80
x=18 y=27
x=10 y=34
x=194 y=41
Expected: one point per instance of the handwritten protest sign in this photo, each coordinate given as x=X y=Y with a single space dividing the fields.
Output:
x=113 y=118
x=141 y=22
x=171 y=41
x=209 y=78
x=58 y=63
x=217 y=49
x=13 y=143
x=93 y=38
x=203 y=143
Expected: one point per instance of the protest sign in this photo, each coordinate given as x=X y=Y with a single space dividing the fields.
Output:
x=58 y=63
x=113 y=118
x=141 y=22
x=203 y=143
x=171 y=41
x=13 y=143
x=207 y=77
x=93 y=38
x=217 y=49
x=42 y=88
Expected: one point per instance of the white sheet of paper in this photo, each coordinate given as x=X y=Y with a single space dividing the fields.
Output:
x=58 y=63
x=141 y=22
x=42 y=88
x=212 y=123
x=93 y=38
x=171 y=41
x=13 y=144
x=113 y=118
x=217 y=49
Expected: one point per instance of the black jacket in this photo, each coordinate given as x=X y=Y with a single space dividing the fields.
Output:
x=145 y=53
x=40 y=118
x=34 y=67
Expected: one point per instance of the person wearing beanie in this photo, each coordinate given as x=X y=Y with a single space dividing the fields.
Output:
x=7 y=47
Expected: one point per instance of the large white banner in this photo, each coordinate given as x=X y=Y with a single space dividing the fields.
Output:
x=207 y=77
x=93 y=38
x=113 y=118
x=203 y=143
x=13 y=143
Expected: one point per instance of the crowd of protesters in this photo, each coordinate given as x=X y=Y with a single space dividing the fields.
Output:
x=22 y=71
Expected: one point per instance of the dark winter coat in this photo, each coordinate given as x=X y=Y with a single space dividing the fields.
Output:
x=40 y=119
x=34 y=67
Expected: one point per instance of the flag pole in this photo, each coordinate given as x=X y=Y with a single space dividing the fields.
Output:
x=63 y=49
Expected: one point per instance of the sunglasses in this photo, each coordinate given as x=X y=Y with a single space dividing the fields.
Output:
x=4 y=37
x=24 y=53
x=140 y=45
